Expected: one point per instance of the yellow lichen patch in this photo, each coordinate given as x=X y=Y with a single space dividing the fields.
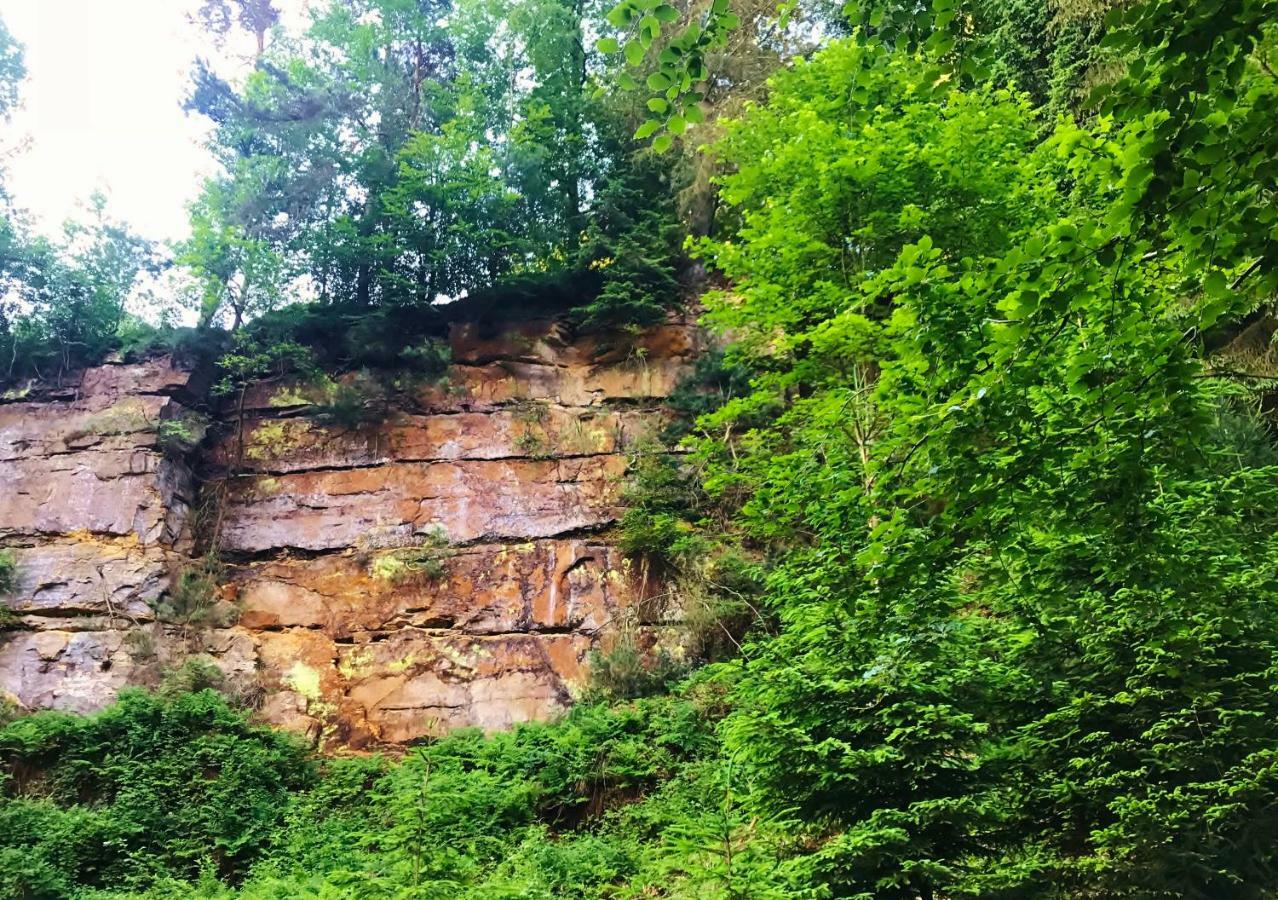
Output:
x=356 y=664
x=321 y=709
x=123 y=541
x=126 y=417
x=287 y=396
x=305 y=680
x=579 y=438
x=271 y=440
x=401 y=665
x=387 y=567
x=523 y=549
x=614 y=576
x=460 y=659
x=267 y=486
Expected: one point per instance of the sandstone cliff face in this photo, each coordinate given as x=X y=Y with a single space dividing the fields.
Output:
x=447 y=565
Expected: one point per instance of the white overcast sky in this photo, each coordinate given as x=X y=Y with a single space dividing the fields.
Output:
x=102 y=110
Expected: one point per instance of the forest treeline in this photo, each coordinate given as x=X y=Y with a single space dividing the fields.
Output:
x=976 y=537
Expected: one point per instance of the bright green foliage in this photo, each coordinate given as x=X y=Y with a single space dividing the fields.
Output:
x=989 y=533
x=1051 y=51
x=1203 y=158
x=1027 y=605
x=62 y=303
x=8 y=571
x=676 y=83
x=66 y=302
x=147 y=788
x=231 y=268
x=403 y=153
x=167 y=797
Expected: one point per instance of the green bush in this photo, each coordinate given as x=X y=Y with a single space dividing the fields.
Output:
x=193 y=598
x=177 y=795
x=8 y=571
x=151 y=787
x=352 y=403
x=8 y=583
x=182 y=433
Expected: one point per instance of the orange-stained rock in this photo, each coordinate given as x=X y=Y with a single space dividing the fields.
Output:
x=72 y=581
x=467 y=500
x=537 y=430
x=537 y=586
x=83 y=456
x=447 y=566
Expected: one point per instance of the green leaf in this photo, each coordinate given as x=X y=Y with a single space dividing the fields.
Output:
x=634 y=53
x=658 y=105
x=607 y=45
x=676 y=124
x=662 y=143
x=619 y=15
x=666 y=13
x=647 y=129
x=658 y=82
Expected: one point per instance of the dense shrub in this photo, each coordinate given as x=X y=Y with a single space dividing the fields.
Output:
x=150 y=787
x=176 y=793
x=8 y=571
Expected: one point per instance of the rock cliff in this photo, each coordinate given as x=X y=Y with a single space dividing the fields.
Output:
x=446 y=564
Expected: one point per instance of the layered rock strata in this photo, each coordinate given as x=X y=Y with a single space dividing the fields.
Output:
x=96 y=516
x=444 y=563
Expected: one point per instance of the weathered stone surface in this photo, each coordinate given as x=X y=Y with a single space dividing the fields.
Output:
x=468 y=500
x=118 y=492
x=532 y=430
x=448 y=566
x=490 y=385
x=419 y=683
x=530 y=364
x=94 y=515
x=85 y=576
x=103 y=386
x=537 y=586
x=73 y=671
x=541 y=340
x=38 y=430
x=85 y=458
x=495 y=384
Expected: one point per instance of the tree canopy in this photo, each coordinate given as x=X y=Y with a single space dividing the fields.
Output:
x=407 y=153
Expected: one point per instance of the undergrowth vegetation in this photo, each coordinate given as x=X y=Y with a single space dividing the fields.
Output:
x=178 y=795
